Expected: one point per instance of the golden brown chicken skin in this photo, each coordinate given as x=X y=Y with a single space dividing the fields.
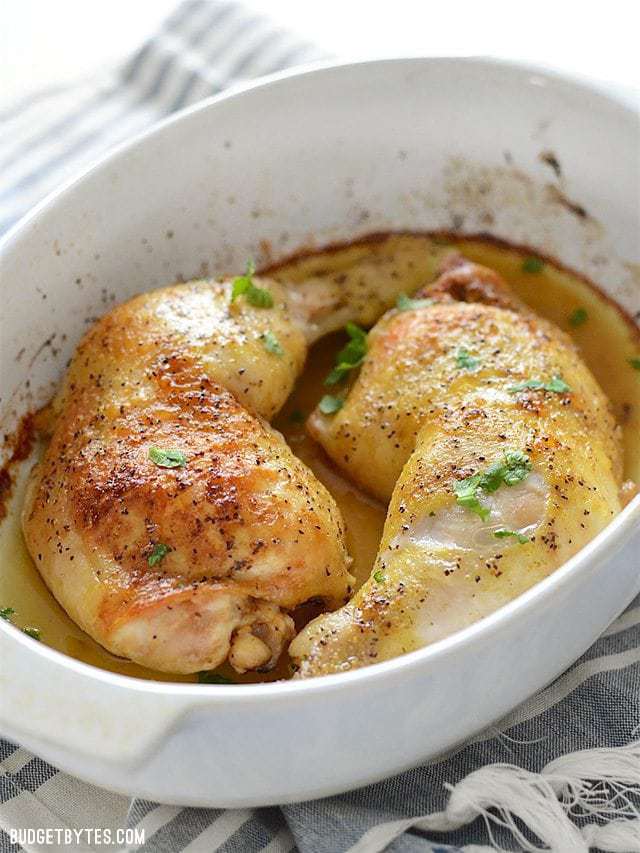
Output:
x=181 y=568
x=167 y=517
x=497 y=449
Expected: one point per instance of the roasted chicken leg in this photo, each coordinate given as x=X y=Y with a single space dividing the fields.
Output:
x=172 y=523
x=497 y=450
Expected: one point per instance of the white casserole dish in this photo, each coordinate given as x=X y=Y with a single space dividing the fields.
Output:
x=301 y=159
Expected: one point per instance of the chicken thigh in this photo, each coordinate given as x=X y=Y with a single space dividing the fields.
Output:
x=172 y=523
x=497 y=450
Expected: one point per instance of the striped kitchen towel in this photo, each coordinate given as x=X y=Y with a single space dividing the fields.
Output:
x=205 y=46
x=562 y=772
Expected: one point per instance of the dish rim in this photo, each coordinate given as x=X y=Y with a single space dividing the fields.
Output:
x=616 y=531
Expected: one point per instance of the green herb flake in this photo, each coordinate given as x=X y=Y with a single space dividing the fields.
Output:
x=532 y=265
x=406 y=303
x=517 y=466
x=330 y=405
x=530 y=384
x=6 y=613
x=259 y=297
x=466 y=492
x=160 y=551
x=635 y=363
x=465 y=361
x=296 y=417
x=169 y=458
x=338 y=374
x=513 y=469
x=243 y=286
x=210 y=677
x=350 y=356
x=379 y=576
x=34 y=633
x=578 y=318
x=271 y=343
x=493 y=477
x=242 y=283
x=557 y=385
x=503 y=534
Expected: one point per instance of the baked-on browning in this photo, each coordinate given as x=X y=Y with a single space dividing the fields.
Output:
x=498 y=452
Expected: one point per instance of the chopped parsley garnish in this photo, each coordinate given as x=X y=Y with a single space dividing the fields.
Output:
x=256 y=296
x=7 y=612
x=296 y=417
x=635 y=363
x=406 y=303
x=578 y=317
x=34 y=633
x=467 y=496
x=160 y=551
x=350 y=356
x=169 y=458
x=259 y=297
x=532 y=265
x=379 y=576
x=242 y=283
x=209 y=677
x=557 y=385
x=465 y=361
x=517 y=466
x=330 y=405
x=271 y=343
x=503 y=534
x=513 y=469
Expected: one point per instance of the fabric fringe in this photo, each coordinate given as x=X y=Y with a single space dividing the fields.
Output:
x=598 y=785
x=595 y=783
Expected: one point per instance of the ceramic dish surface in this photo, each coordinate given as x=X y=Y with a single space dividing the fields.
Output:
x=294 y=162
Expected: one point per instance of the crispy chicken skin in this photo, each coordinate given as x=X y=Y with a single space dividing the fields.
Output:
x=181 y=568
x=441 y=398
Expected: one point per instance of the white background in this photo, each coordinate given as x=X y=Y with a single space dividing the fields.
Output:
x=45 y=43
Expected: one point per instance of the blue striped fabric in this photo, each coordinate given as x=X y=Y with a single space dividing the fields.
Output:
x=205 y=46
x=201 y=49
